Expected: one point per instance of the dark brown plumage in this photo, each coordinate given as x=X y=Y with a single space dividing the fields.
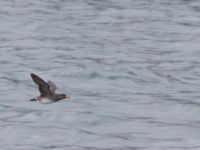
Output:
x=47 y=91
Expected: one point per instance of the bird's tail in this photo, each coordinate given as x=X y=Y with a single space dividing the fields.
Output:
x=34 y=99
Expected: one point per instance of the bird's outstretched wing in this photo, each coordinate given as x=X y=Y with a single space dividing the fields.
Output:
x=43 y=86
x=52 y=86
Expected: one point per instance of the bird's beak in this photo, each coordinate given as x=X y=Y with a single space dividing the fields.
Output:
x=67 y=97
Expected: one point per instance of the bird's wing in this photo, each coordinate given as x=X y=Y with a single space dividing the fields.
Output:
x=52 y=86
x=43 y=86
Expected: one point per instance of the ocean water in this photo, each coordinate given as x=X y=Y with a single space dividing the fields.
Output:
x=132 y=68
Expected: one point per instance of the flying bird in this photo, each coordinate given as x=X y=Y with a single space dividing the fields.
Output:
x=47 y=91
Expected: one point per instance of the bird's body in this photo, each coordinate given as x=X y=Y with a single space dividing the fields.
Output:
x=43 y=100
x=47 y=91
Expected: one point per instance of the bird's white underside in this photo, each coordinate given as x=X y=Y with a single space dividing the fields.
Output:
x=45 y=101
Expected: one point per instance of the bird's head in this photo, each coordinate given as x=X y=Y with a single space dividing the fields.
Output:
x=62 y=96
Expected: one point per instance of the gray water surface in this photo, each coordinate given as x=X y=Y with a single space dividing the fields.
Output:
x=132 y=68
